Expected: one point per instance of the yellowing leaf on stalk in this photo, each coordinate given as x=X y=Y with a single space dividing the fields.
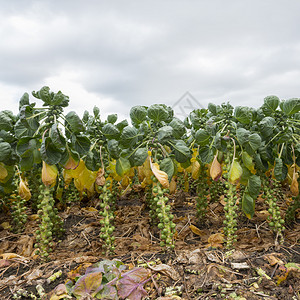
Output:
x=24 y=191
x=172 y=186
x=85 y=180
x=3 y=171
x=49 y=174
x=248 y=161
x=294 y=185
x=67 y=175
x=71 y=163
x=161 y=176
x=215 y=169
x=195 y=169
x=235 y=172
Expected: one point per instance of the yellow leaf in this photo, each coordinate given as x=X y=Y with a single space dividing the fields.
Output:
x=161 y=176
x=24 y=191
x=195 y=169
x=172 y=186
x=235 y=172
x=67 y=175
x=295 y=185
x=215 y=169
x=3 y=171
x=197 y=231
x=5 y=225
x=49 y=174
x=71 y=163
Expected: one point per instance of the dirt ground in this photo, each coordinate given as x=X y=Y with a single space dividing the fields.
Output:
x=199 y=267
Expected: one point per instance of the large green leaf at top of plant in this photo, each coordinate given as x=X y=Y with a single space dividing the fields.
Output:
x=158 y=112
x=270 y=105
x=243 y=114
x=27 y=118
x=73 y=122
x=112 y=118
x=129 y=136
x=202 y=137
x=138 y=114
x=6 y=123
x=291 y=106
x=110 y=131
x=51 y=98
x=266 y=126
x=178 y=128
x=165 y=134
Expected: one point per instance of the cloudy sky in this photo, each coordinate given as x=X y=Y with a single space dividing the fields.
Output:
x=117 y=54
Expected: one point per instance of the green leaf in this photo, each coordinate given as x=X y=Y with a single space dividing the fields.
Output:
x=138 y=114
x=139 y=157
x=254 y=186
x=110 y=131
x=73 y=122
x=202 y=137
x=158 y=113
x=43 y=94
x=270 y=104
x=112 y=118
x=260 y=163
x=21 y=130
x=243 y=114
x=165 y=134
x=28 y=149
x=121 y=125
x=24 y=100
x=248 y=205
x=214 y=109
x=291 y=106
x=178 y=128
x=182 y=152
x=5 y=122
x=280 y=169
x=96 y=111
x=113 y=148
x=247 y=161
x=167 y=166
x=266 y=126
x=129 y=136
x=57 y=138
x=254 y=142
x=81 y=144
x=49 y=153
x=26 y=117
x=242 y=135
x=206 y=154
x=5 y=151
x=122 y=166
x=92 y=160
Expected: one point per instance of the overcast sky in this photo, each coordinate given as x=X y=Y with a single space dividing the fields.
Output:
x=117 y=54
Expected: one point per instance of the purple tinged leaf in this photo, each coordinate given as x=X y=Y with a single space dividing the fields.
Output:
x=87 y=285
x=131 y=284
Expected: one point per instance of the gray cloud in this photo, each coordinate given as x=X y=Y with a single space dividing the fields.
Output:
x=137 y=52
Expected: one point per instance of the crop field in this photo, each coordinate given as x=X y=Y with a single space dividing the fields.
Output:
x=149 y=208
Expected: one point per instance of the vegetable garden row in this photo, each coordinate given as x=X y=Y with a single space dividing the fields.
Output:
x=48 y=157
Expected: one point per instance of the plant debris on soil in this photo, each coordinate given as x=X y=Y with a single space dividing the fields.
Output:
x=198 y=268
